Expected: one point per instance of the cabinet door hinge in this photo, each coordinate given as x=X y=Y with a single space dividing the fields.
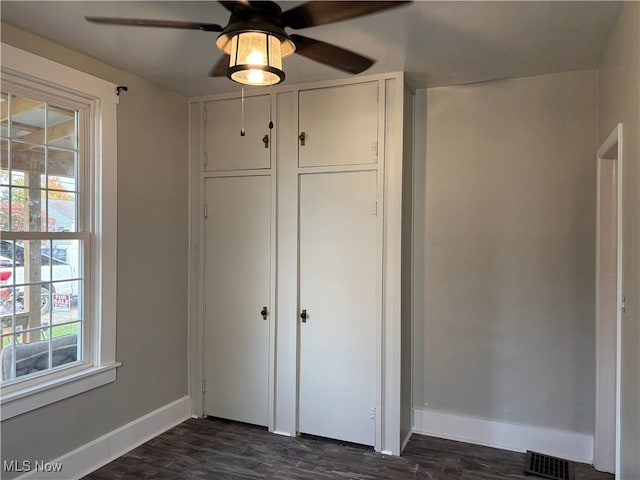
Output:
x=374 y=210
x=205 y=211
x=205 y=158
x=623 y=307
x=204 y=114
x=204 y=387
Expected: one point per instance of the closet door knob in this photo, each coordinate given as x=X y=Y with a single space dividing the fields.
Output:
x=263 y=312
x=303 y=316
x=302 y=137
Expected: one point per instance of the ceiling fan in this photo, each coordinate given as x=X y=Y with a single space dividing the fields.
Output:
x=254 y=41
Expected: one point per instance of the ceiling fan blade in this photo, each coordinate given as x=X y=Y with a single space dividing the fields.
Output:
x=220 y=68
x=139 y=22
x=331 y=55
x=321 y=12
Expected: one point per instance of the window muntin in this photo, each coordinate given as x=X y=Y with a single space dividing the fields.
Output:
x=43 y=320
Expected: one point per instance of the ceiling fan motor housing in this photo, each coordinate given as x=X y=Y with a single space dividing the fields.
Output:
x=266 y=20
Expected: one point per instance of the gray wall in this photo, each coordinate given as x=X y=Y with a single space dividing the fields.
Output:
x=620 y=102
x=152 y=269
x=508 y=288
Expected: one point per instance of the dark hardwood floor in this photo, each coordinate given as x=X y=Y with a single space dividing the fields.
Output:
x=217 y=449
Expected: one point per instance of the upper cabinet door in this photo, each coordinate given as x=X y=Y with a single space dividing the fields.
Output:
x=225 y=148
x=338 y=125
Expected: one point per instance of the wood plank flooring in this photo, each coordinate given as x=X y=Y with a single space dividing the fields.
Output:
x=218 y=449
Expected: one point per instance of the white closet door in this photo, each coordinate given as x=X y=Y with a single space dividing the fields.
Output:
x=340 y=125
x=338 y=272
x=236 y=288
x=226 y=149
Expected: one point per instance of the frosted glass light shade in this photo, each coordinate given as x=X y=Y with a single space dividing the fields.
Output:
x=255 y=59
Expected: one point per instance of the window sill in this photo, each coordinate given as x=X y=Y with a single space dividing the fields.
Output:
x=24 y=400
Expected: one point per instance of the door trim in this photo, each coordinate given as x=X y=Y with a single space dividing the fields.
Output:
x=607 y=456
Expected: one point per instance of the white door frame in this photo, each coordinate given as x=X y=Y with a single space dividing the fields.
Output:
x=607 y=422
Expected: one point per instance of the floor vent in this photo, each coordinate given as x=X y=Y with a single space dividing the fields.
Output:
x=548 y=467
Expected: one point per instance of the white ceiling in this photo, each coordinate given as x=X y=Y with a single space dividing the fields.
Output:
x=437 y=43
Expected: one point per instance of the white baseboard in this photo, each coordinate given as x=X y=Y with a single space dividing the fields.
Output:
x=102 y=450
x=284 y=434
x=507 y=436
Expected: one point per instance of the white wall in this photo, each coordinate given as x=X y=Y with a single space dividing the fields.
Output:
x=505 y=323
x=152 y=269
x=620 y=102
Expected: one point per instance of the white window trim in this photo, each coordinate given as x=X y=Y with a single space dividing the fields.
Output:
x=102 y=367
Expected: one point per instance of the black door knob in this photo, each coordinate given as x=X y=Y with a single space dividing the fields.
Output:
x=303 y=316
x=263 y=312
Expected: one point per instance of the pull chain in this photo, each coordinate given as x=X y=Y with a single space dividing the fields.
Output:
x=270 y=107
x=242 y=126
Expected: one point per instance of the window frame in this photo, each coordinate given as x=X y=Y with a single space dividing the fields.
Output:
x=29 y=72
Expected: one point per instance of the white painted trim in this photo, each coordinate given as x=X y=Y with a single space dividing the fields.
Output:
x=602 y=449
x=392 y=255
x=25 y=400
x=32 y=65
x=284 y=434
x=379 y=359
x=508 y=436
x=273 y=278
x=93 y=455
x=195 y=317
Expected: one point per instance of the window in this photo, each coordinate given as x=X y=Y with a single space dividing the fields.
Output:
x=57 y=219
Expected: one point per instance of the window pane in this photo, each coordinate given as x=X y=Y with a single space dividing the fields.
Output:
x=15 y=256
x=63 y=271
x=4 y=106
x=4 y=208
x=27 y=119
x=65 y=345
x=31 y=265
x=27 y=165
x=61 y=127
x=4 y=162
x=35 y=302
x=28 y=213
x=62 y=212
x=6 y=254
x=66 y=329
x=67 y=252
x=32 y=352
x=8 y=341
x=64 y=302
x=6 y=302
x=61 y=167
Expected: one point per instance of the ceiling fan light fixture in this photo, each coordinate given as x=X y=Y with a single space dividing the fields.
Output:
x=255 y=57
